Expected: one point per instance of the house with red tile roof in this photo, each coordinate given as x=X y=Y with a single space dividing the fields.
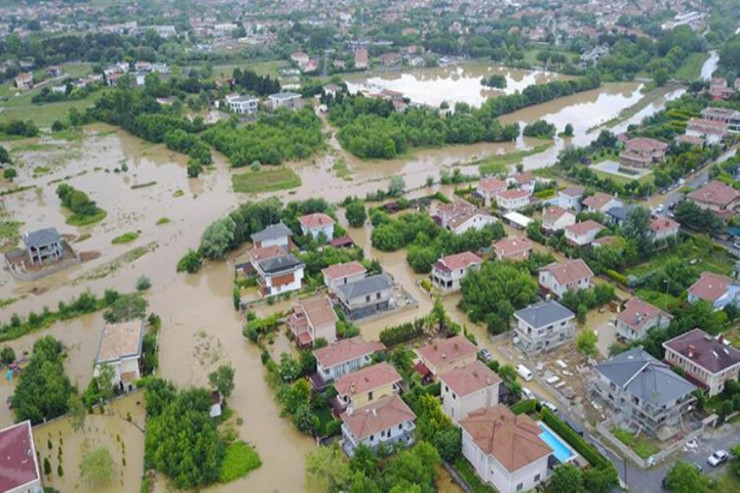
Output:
x=442 y=355
x=716 y=289
x=717 y=197
x=19 y=467
x=559 y=277
x=582 y=233
x=711 y=131
x=489 y=187
x=121 y=348
x=387 y=421
x=361 y=59
x=642 y=152
x=570 y=198
x=663 y=227
x=513 y=248
x=555 y=218
x=467 y=388
x=313 y=318
x=601 y=202
x=505 y=449
x=524 y=181
x=344 y=356
x=638 y=317
x=317 y=223
x=338 y=274
x=447 y=272
x=705 y=360
x=461 y=216
x=513 y=200
x=362 y=387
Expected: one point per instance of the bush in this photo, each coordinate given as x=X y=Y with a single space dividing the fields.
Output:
x=620 y=278
x=240 y=458
x=143 y=283
x=524 y=407
x=191 y=262
x=393 y=336
x=574 y=439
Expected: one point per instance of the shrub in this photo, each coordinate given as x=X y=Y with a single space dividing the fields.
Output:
x=240 y=458
x=620 y=278
x=393 y=336
x=524 y=407
x=143 y=283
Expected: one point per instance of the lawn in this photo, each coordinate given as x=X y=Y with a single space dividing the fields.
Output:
x=265 y=180
x=691 y=68
x=712 y=261
x=43 y=115
x=643 y=446
x=621 y=179
x=530 y=56
x=269 y=67
x=500 y=163
x=325 y=417
x=78 y=220
x=9 y=234
x=239 y=460
x=728 y=481
x=125 y=238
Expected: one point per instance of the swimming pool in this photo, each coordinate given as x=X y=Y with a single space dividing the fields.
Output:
x=560 y=449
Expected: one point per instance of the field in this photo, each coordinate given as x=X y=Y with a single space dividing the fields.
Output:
x=265 y=180
x=530 y=56
x=270 y=68
x=500 y=164
x=691 y=68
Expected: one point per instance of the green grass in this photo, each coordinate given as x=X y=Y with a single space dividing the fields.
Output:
x=7 y=301
x=530 y=56
x=43 y=115
x=691 y=68
x=265 y=180
x=642 y=445
x=9 y=234
x=341 y=169
x=325 y=417
x=622 y=180
x=125 y=238
x=499 y=164
x=728 y=481
x=269 y=67
x=163 y=220
x=178 y=193
x=78 y=220
x=240 y=459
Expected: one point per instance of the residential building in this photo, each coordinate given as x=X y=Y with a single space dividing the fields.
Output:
x=730 y=117
x=343 y=357
x=638 y=317
x=442 y=355
x=359 y=388
x=461 y=216
x=618 y=215
x=338 y=274
x=505 y=450
x=361 y=59
x=289 y=100
x=717 y=197
x=313 y=318
x=24 y=81
x=711 y=131
x=316 y=224
x=663 y=228
x=716 y=289
x=19 y=463
x=467 y=388
x=121 y=348
x=557 y=278
x=583 y=233
x=243 y=105
x=279 y=275
x=488 y=188
x=513 y=248
x=524 y=181
x=390 y=59
x=332 y=90
x=43 y=245
x=274 y=235
x=556 y=218
x=366 y=297
x=387 y=421
x=543 y=326
x=513 y=200
x=601 y=202
x=300 y=57
x=447 y=272
x=570 y=198
x=644 y=394
x=705 y=360
x=642 y=152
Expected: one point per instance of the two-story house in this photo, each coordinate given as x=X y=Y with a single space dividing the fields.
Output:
x=365 y=297
x=583 y=233
x=343 y=357
x=556 y=218
x=274 y=235
x=43 y=246
x=313 y=318
x=717 y=197
x=643 y=393
x=359 y=388
x=524 y=181
x=488 y=188
x=705 y=360
x=461 y=216
x=442 y=355
x=642 y=152
x=289 y=100
x=505 y=450
x=513 y=200
x=662 y=228
x=467 y=388
x=447 y=272
x=618 y=215
x=557 y=278
x=20 y=464
x=716 y=289
x=316 y=224
x=570 y=198
x=638 y=317
x=338 y=274
x=543 y=326
x=277 y=275
x=120 y=348
x=601 y=202
x=513 y=248
x=387 y=421
x=243 y=105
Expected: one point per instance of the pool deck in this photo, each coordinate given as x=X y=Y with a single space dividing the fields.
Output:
x=547 y=430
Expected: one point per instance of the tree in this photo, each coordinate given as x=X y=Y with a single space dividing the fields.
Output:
x=327 y=469
x=77 y=412
x=223 y=380
x=586 y=343
x=143 y=283
x=636 y=228
x=396 y=186
x=566 y=478
x=217 y=238
x=685 y=478
x=191 y=262
x=9 y=174
x=661 y=76
x=126 y=307
x=97 y=466
x=691 y=215
x=356 y=214
x=7 y=355
x=306 y=421
x=568 y=131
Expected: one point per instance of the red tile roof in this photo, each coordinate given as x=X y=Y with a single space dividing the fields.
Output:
x=570 y=271
x=377 y=416
x=459 y=261
x=470 y=378
x=584 y=227
x=513 y=245
x=573 y=191
x=513 y=194
x=704 y=350
x=645 y=144
x=316 y=220
x=345 y=350
x=367 y=379
x=340 y=271
x=257 y=253
x=442 y=351
x=659 y=224
x=318 y=309
x=715 y=193
x=554 y=212
x=491 y=184
x=710 y=286
x=18 y=464
x=638 y=312
x=525 y=177
x=598 y=200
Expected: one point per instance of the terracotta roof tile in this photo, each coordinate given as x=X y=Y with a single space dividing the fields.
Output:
x=715 y=193
x=704 y=350
x=638 y=312
x=513 y=245
x=120 y=340
x=316 y=220
x=659 y=224
x=598 y=200
x=460 y=260
x=367 y=379
x=318 y=309
x=340 y=271
x=378 y=416
x=572 y=191
x=569 y=271
x=470 y=378
x=710 y=286
x=513 y=194
x=442 y=351
x=491 y=184
x=584 y=227
x=554 y=212
x=345 y=350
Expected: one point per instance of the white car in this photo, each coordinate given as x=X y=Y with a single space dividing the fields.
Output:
x=549 y=406
x=527 y=394
x=717 y=458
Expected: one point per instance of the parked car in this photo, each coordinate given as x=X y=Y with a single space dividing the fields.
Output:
x=549 y=405
x=527 y=394
x=718 y=458
x=524 y=372
x=485 y=355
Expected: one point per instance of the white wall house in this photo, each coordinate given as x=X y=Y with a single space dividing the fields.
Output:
x=274 y=235
x=120 y=348
x=560 y=277
x=583 y=233
x=447 y=272
x=556 y=218
x=243 y=105
x=343 y=357
x=512 y=200
x=465 y=389
x=543 y=326
x=281 y=274
x=570 y=198
x=346 y=273
x=316 y=224
x=388 y=421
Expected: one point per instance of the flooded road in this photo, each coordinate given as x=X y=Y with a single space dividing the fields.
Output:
x=710 y=65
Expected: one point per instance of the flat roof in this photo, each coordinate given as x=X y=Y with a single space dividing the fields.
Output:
x=518 y=218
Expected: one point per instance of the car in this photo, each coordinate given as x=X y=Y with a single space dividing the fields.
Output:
x=527 y=394
x=485 y=355
x=549 y=406
x=660 y=208
x=718 y=458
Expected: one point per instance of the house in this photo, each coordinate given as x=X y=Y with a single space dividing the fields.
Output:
x=343 y=357
x=19 y=463
x=557 y=278
x=447 y=272
x=43 y=245
x=121 y=347
x=300 y=57
x=332 y=90
x=54 y=71
x=390 y=59
x=543 y=326
x=513 y=248
x=274 y=235
x=365 y=297
x=217 y=403
x=289 y=100
x=716 y=289
x=279 y=275
x=361 y=59
x=513 y=200
x=643 y=393
x=24 y=81
x=718 y=89
x=313 y=318
x=359 y=388
x=338 y=274
x=489 y=188
x=731 y=118
x=570 y=198
x=663 y=227
x=243 y=105
x=505 y=449
x=442 y=355
x=601 y=202
x=467 y=388
x=316 y=224
x=638 y=317
x=618 y=215
x=583 y=233
x=387 y=421
x=256 y=254
x=705 y=360
x=524 y=181
x=717 y=197
x=711 y=131
x=461 y=216
x=642 y=152
x=556 y=218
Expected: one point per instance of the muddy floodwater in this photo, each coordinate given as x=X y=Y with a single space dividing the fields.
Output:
x=139 y=184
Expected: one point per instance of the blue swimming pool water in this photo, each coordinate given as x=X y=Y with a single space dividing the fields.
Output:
x=560 y=449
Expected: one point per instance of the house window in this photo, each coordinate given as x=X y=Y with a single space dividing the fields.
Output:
x=367 y=298
x=520 y=487
x=377 y=296
x=372 y=437
x=370 y=395
x=447 y=389
x=400 y=427
x=536 y=478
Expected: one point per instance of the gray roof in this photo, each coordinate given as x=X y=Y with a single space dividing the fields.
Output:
x=366 y=286
x=243 y=99
x=272 y=232
x=279 y=264
x=284 y=95
x=544 y=313
x=41 y=237
x=645 y=377
x=621 y=212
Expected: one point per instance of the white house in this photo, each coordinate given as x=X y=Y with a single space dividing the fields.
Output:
x=20 y=467
x=388 y=421
x=513 y=248
x=467 y=388
x=447 y=272
x=543 y=326
x=346 y=273
x=663 y=228
x=556 y=218
x=601 y=202
x=717 y=289
x=583 y=233
x=120 y=348
x=638 y=317
x=274 y=235
x=461 y=216
x=489 y=187
x=570 y=198
x=317 y=223
x=558 y=278
x=243 y=105
x=524 y=181
x=512 y=200
x=280 y=274
x=289 y=100
x=313 y=318
x=344 y=356
x=505 y=450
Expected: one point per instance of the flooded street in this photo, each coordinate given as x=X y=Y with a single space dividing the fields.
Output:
x=710 y=65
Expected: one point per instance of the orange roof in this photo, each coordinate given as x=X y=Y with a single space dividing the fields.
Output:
x=345 y=350
x=645 y=144
x=316 y=220
x=513 y=194
x=378 y=416
x=570 y=271
x=340 y=271
x=470 y=378
x=257 y=254
x=367 y=379
x=637 y=312
x=524 y=177
x=120 y=340
x=511 y=246
x=442 y=351
x=658 y=224
x=555 y=212
x=513 y=440
x=710 y=286
x=491 y=184
x=318 y=310
x=460 y=260
x=598 y=200
x=584 y=227
x=716 y=193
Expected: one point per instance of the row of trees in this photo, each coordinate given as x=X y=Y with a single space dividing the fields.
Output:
x=77 y=201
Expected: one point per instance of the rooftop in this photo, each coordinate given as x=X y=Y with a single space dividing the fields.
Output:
x=366 y=286
x=441 y=351
x=715 y=193
x=598 y=200
x=491 y=184
x=378 y=416
x=318 y=309
x=367 y=379
x=584 y=227
x=18 y=465
x=544 y=313
x=470 y=378
x=572 y=191
x=638 y=312
x=279 y=264
x=272 y=232
x=554 y=212
x=711 y=354
x=41 y=238
x=458 y=261
x=513 y=194
x=345 y=350
x=316 y=220
x=569 y=271
x=257 y=254
x=659 y=224
x=710 y=286
x=284 y=95
x=512 y=246
x=340 y=271
x=121 y=340
x=645 y=144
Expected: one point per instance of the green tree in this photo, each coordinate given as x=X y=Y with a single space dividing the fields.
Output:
x=77 y=412
x=566 y=478
x=126 y=307
x=356 y=214
x=568 y=131
x=7 y=355
x=222 y=378
x=10 y=173
x=661 y=76
x=636 y=228
x=685 y=478
x=218 y=238
x=191 y=262
x=97 y=466
x=586 y=343
x=327 y=469
x=396 y=186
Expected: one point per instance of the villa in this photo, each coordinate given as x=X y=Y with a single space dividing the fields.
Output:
x=461 y=216
x=339 y=274
x=583 y=233
x=601 y=202
x=717 y=197
x=716 y=289
x=43 y=246
x=343 y=357
x=638 y=317
x=513 y=200
x=274 y=235
x=543 y=326
x=642 y=152
x=279 y=275
x=386 y=421
x=570 y=198
x=442 y=355
x=513 y=248
x=365 y=297
x=289 y=100
x=488 y=188
x=313 y=318
x=467 y=388
x=447 y=272
x=556 y=218
x=359 y=388
x=316 y=224
x=557 y=278
x=121 y=348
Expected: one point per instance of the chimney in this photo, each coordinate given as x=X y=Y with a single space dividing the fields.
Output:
x=375 y=412
x=444 y=356
x=691 y=351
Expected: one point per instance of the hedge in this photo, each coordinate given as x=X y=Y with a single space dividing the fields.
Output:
x=620 y=278
x=466 y=471
x=393 y=336
x=584 y=448
x=527 y=406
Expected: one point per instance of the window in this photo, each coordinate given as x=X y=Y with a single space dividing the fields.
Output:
x=447 y=389
x=372 y=437
x=367 y=298
x=377 y=296
x=536 y=478
x=400 y=427
x=370 y=395
x=520 y=487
